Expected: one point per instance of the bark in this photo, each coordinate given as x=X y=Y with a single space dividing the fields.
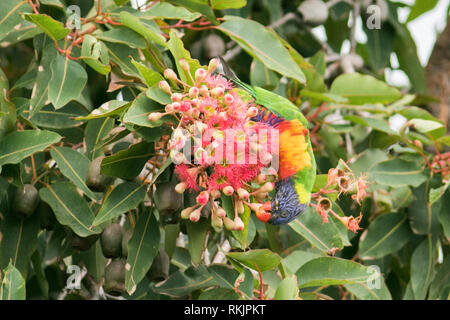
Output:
x=438 y=76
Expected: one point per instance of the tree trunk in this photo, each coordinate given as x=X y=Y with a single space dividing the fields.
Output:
x=438 y=76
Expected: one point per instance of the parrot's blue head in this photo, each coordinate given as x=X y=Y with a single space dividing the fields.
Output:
x=285 y=204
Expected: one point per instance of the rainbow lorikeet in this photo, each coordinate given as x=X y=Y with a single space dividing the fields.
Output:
x=297 y=166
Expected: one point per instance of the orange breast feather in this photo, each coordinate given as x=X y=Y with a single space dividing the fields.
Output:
x=293 y=148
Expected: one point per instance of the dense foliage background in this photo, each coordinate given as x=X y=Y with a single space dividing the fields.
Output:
x=73 y=123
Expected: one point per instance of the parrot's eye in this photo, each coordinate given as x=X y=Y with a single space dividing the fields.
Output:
x=284 y=214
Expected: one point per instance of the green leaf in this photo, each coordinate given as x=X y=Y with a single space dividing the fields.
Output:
x=257 y=259
x=94 y=260
x=228 y=4
x=422 y=267
x=178 y=51
x=18 y=145
x=197 y=233
x=124 y=36
x=386 y=234
x=406 y=50
x=127 y=164
x=95 y=54
x=13 y=284
x=67 y=81
x=224 y=275
x=96 y=131
x=424 y=216
x=363 y=89
x=398 y=172
x=70 y=208
x=365 y=282
x=287 y=289
x=150 y=76
x=74 y=166
x=420 y=7
x=182 y=283
x=424 y=126
x=437 y=193
x=139 y=111
x=201 y=6
x=296 y=259
x=50 y=26
x=142 y=249
x=10 y=12
x=19 y=241
x=156 y=94
x=375 y=123
x=441 y=281
x=164 y=10
x=148 y=32
x=124 y=197
x=443 y=216
x=263 y=45
x=66 y=117
x=380 y=44
x=323 y=236
x=262 y=77
x=108 y=109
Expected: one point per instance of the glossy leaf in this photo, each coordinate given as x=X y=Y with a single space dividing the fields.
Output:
x=257 y=259
x=18 y=145
x=70 y=208
x=67 y=81
x=142 y=249
x=74 y=166
x=386 y=234
x=363 y=89
x=263 y=45
x=123 y=197
x=13 y=284
x=397 y=172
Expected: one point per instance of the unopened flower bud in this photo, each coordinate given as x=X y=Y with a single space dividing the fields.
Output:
x=203 y=198
x=217 y=91
x=164 y=86
x=193 y=92
x=261 y=178
x=267 y=187
x=243 y=194
x=216 y=221
x=240 y=207
x=155 y=116
x=228 y=190
x=176 y=97
x=195 y=215
x=252 y=112
x=213 y=64
x=181 y=187
x=176 y=106
x=228 y=99
x=169 y=108
x=261 y=195
x=184 y=64
x=200 y=75
x=185 y=213
x=419 y=144
x=238 y=224
x=215 y=194
x=229 y=224
x=220 y=212
x=204 y=90
x=170 y=74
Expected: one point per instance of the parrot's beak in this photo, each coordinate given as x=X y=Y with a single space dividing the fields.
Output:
x=264 y=213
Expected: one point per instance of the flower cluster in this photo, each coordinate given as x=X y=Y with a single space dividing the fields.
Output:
x=217 y=148
x=346 y=182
